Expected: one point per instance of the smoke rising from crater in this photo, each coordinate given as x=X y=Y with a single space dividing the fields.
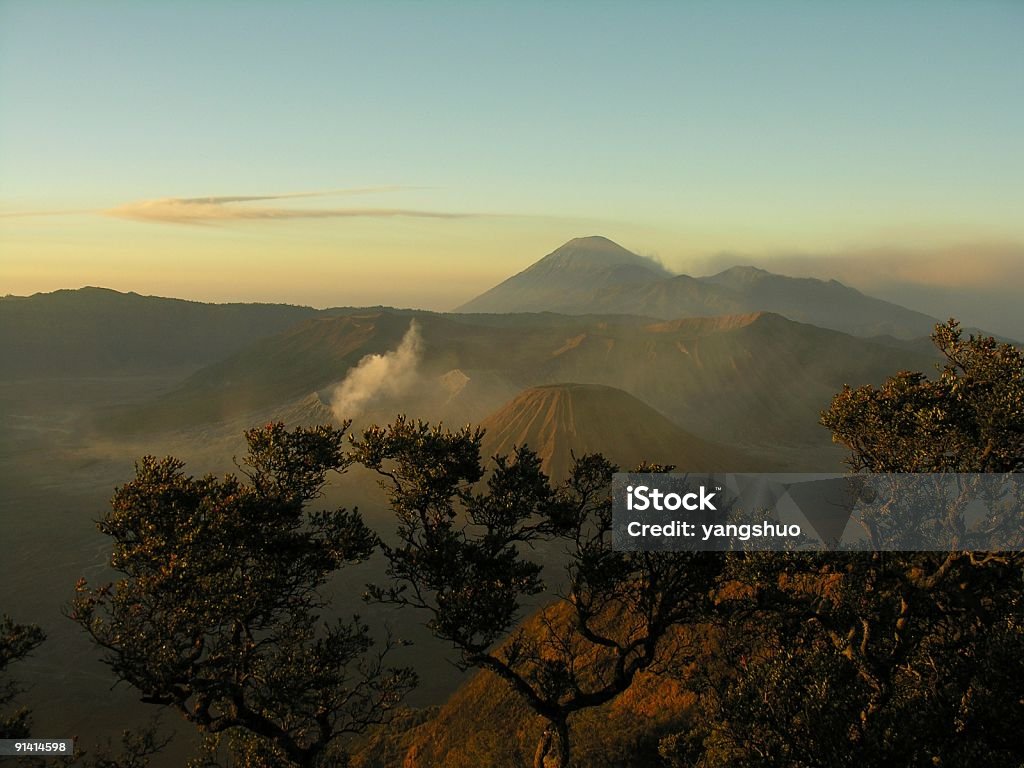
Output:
x=379 y=377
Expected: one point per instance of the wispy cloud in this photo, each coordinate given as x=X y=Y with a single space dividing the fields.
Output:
x=34 y=214
x=228 y=208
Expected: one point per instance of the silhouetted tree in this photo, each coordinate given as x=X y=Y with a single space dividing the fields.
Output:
x=968 y=419
x=16 y=642
x=218 y=611
x=466 y=555
x=135 y=750
x=884 y=658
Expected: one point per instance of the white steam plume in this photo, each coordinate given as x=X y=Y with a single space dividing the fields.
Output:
x=377 y=377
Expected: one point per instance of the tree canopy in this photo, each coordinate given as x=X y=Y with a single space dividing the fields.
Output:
x=968 y=419
x=884 y=658
x=468 y=555
x=16 y=642
x=218 y=611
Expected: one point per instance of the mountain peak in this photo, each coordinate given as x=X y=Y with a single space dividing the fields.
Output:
x=593 y=275
x=595 y=252
x=567 y=275
x=740 y=275
x=593 y=242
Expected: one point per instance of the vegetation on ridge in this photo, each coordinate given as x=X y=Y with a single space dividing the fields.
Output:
x=759 y=659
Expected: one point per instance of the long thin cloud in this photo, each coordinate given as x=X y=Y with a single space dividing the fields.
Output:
x=33 y=214
x=329 y=193
x=227 y=208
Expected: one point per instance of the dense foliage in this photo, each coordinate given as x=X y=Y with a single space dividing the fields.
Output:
x=218 y=613
x=887 y=658
x=467 y=556
x=969 y=419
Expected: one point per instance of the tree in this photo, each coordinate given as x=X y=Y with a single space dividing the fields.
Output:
x=467 y=554
x=218 y=613
x=969 y=419
x=16 y=642
x=136 y=749
x=884 y=658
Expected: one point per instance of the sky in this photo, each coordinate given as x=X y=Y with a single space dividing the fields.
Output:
x=416 y=153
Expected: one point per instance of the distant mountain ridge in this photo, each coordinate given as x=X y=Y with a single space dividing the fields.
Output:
x=98 y=331
x=755 y=383
x=593 y=275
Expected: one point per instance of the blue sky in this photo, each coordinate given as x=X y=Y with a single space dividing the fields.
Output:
x=682 y=130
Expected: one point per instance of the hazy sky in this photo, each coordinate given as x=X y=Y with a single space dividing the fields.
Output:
x=416 y=153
